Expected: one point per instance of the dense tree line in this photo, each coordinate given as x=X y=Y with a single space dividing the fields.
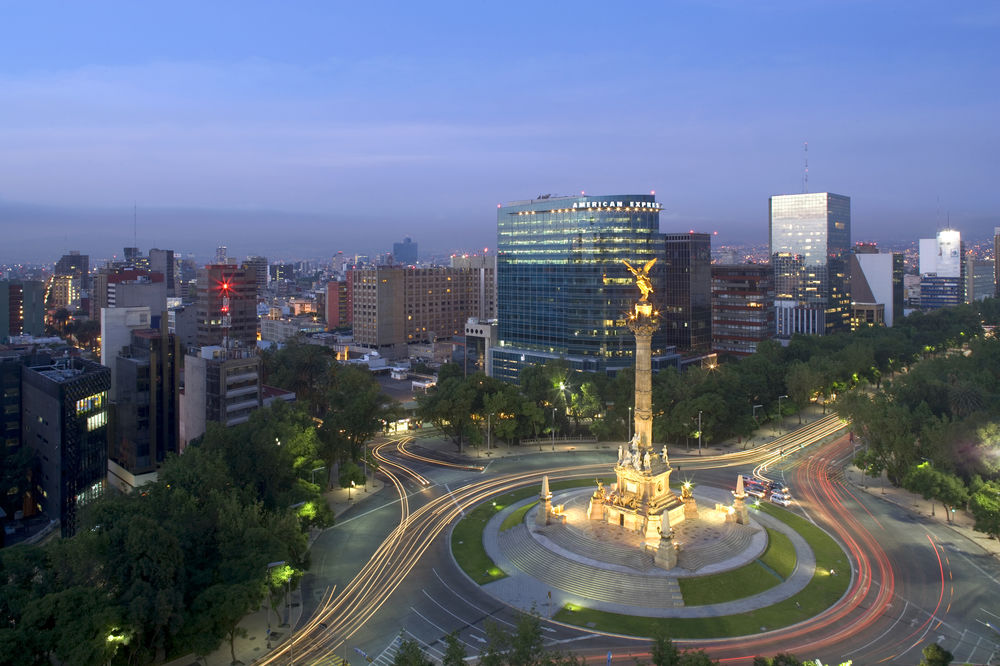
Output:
x=734 y=397
x=347 y=403
x=174 y=566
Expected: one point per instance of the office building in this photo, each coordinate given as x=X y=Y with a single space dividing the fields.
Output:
x=222 y=255
x=339 y=304
x=117 y=325
x=686 y=301
x=942 y=271
x=876 y=286
x=62 y=292
x=226 y=307
x=75 y=265
x=395 y=306
x=810 y=237
x=221 y=386
x=742 y=307
x=145 y=410
x=127 y=288
x=256 y=268
x=280 y=272
x=405 y=253
x=64 y=417
x=486 y=267
x=978 y=280
x=562 y=289
x=22 y=308
x=162 y=262
x=480 y=338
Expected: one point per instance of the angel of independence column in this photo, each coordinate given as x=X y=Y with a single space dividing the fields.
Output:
x=643 y=322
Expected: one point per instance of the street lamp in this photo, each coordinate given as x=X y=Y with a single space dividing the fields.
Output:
x=780 y=398
x=270 y=602
x=489 y=425
x=553 y=428
x=312 y=473
x=349 y=498
x=699 y=432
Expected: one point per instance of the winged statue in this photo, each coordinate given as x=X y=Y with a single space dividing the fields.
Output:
x=642 y=278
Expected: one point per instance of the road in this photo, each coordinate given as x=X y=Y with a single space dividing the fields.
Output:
x=391 y=571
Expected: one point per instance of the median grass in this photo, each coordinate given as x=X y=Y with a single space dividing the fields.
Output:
x=467 y=537
x=822 y=591
x=745 y=581
x=516 y=517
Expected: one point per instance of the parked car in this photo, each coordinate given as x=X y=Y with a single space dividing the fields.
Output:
x=784 y=496
x=783 y=501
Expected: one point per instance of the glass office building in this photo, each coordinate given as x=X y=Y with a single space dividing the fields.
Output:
x=810 y=238
x=562 y=289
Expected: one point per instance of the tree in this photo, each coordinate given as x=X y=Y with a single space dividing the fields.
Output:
x=935 y=655
x=449 y=407
x=454 y=651
x=663 y=652
x=409 y=653
x=351 y=475
x=985 y=508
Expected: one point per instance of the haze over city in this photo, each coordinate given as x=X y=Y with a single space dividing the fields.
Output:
x=299 y=131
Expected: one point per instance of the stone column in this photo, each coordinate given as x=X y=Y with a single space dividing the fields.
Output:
x=643 y=323
x=544 y=503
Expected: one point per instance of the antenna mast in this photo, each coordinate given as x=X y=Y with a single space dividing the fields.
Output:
x=135 y=215
x=805 y=169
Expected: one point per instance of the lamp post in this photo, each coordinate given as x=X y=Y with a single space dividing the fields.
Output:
x=553 y=428
x=270 y=602
x=780 y=398
x=699 y=432
x=489 y=433
x=349 y=498
x=312 y=473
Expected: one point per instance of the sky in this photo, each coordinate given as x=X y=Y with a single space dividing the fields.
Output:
x=298 y=129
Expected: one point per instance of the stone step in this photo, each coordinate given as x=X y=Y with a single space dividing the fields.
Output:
x=586 y=581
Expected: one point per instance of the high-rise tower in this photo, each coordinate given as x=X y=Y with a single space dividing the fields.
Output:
x=810 y=238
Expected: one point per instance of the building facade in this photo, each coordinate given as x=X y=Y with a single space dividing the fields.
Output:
x=979 y=278
x=405 y=253
x=22 y=308
x=221 y=386
x=226 y=306
x=394 y=307
x=562 y=289
x=942 y=270
x=486 y=266
x=162 y=261
x=339 y=304
x=876 y=287
x=810 y=237
x=64 y=416
x=146 y=409
x=742 y=307
x=686 y=301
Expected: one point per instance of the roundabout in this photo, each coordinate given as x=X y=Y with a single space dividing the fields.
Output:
x=589 y=574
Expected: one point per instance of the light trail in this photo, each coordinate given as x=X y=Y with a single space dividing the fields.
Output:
x=337 y=620
x=433 y=461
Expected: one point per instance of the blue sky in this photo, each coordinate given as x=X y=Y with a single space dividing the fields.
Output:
x=303 y=128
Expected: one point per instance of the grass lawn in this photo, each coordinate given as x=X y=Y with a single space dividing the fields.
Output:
x=819 y=594
x=779 y=554
x=467 y=537
x=745 y=581
x=516 y=517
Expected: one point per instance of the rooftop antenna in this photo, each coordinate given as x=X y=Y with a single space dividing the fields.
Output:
x=135 y=215
x=805 y=169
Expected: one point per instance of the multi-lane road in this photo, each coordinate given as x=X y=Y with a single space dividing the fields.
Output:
x=386 y=570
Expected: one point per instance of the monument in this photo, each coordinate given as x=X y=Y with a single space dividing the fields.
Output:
x=641 y=500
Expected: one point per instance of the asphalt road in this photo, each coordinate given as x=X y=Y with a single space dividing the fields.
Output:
x=912 y=582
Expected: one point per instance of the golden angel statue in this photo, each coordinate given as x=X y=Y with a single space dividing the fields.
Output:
x=642 y=278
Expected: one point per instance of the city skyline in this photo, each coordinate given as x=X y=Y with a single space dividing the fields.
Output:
x=328 y=123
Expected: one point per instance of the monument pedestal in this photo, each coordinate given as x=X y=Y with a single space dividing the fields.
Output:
x=666 y=554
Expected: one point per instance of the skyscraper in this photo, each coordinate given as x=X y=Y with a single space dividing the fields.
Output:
x=76 y=265
x=686 y=301
x=810 y=237
x=942 y=271
x=562 y=289
x=162 y=261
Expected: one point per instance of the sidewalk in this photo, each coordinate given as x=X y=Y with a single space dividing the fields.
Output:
x=962 y=522
x=253 y=646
